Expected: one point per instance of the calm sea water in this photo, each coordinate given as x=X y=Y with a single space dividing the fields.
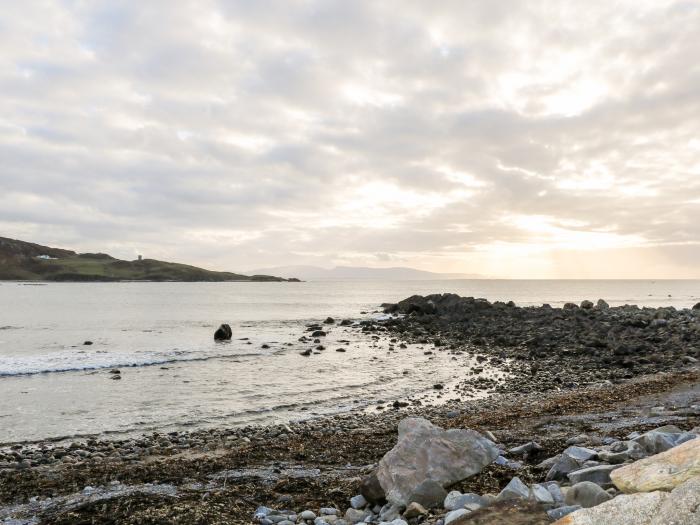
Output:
x=160 y=335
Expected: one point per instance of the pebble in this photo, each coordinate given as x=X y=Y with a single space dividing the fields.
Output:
x=358 y=502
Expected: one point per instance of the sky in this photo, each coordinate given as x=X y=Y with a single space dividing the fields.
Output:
x=528 y=139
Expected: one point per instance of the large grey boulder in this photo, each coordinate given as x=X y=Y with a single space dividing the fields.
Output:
x=427 y=452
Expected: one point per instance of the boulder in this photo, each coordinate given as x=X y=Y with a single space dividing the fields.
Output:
x=679 y=507
x=223 y=333
x=586 y=494
x=623 y=510
x=602 y=305
x=586 y=304
x=662 y=471
x=683 y=506
x=424 y=451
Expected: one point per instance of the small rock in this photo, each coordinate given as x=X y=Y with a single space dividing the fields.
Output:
x=329 y=320
x=455 y=515
x=580 y=454
x=358 y=502
x=532 y=446
x=414 y=510
x=353 y=516
x=371 y=489
x=515 y=489
x=457 y=500
x=540 y=494
x=307 y=515
x=559 y=513
x=586 y=494
x=599 y=475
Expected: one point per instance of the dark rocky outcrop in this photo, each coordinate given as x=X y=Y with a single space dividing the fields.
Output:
x=553 y=347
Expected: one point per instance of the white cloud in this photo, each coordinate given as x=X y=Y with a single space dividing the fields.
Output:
x=452 y=137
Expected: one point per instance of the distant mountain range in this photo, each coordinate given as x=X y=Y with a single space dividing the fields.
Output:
x=26 y=261
x=342 y=273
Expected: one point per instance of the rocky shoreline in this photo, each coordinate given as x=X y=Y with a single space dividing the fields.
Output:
x=581 y=376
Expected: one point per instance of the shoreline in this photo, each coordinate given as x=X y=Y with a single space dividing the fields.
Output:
x=321 y=463
x=562 y=385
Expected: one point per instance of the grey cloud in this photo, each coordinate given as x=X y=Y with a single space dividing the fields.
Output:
x=249 y=129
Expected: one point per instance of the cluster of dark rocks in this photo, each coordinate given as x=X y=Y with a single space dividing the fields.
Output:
x=554 y=347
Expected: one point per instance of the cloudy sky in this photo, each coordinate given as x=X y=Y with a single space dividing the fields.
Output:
x=510 y=139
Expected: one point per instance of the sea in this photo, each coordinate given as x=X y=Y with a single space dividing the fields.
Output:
x=174 y=376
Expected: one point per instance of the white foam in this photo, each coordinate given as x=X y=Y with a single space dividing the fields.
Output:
x=74 y=360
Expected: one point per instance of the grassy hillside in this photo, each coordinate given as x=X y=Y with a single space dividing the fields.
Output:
x=21 y=260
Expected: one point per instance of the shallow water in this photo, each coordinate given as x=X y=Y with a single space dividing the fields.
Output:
x=174 y=375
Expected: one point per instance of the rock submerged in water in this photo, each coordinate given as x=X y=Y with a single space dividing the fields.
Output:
x=223 y=333
x=427 y=452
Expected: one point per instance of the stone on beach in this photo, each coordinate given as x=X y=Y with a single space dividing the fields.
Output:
x=457 y=500
x=223 y=333
x=586 y=494
x=515 y=489
x=661 y=440
x=599 y=475
x=662 y=471
x=425 y=451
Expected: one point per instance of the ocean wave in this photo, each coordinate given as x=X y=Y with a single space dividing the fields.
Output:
x=76 y=362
